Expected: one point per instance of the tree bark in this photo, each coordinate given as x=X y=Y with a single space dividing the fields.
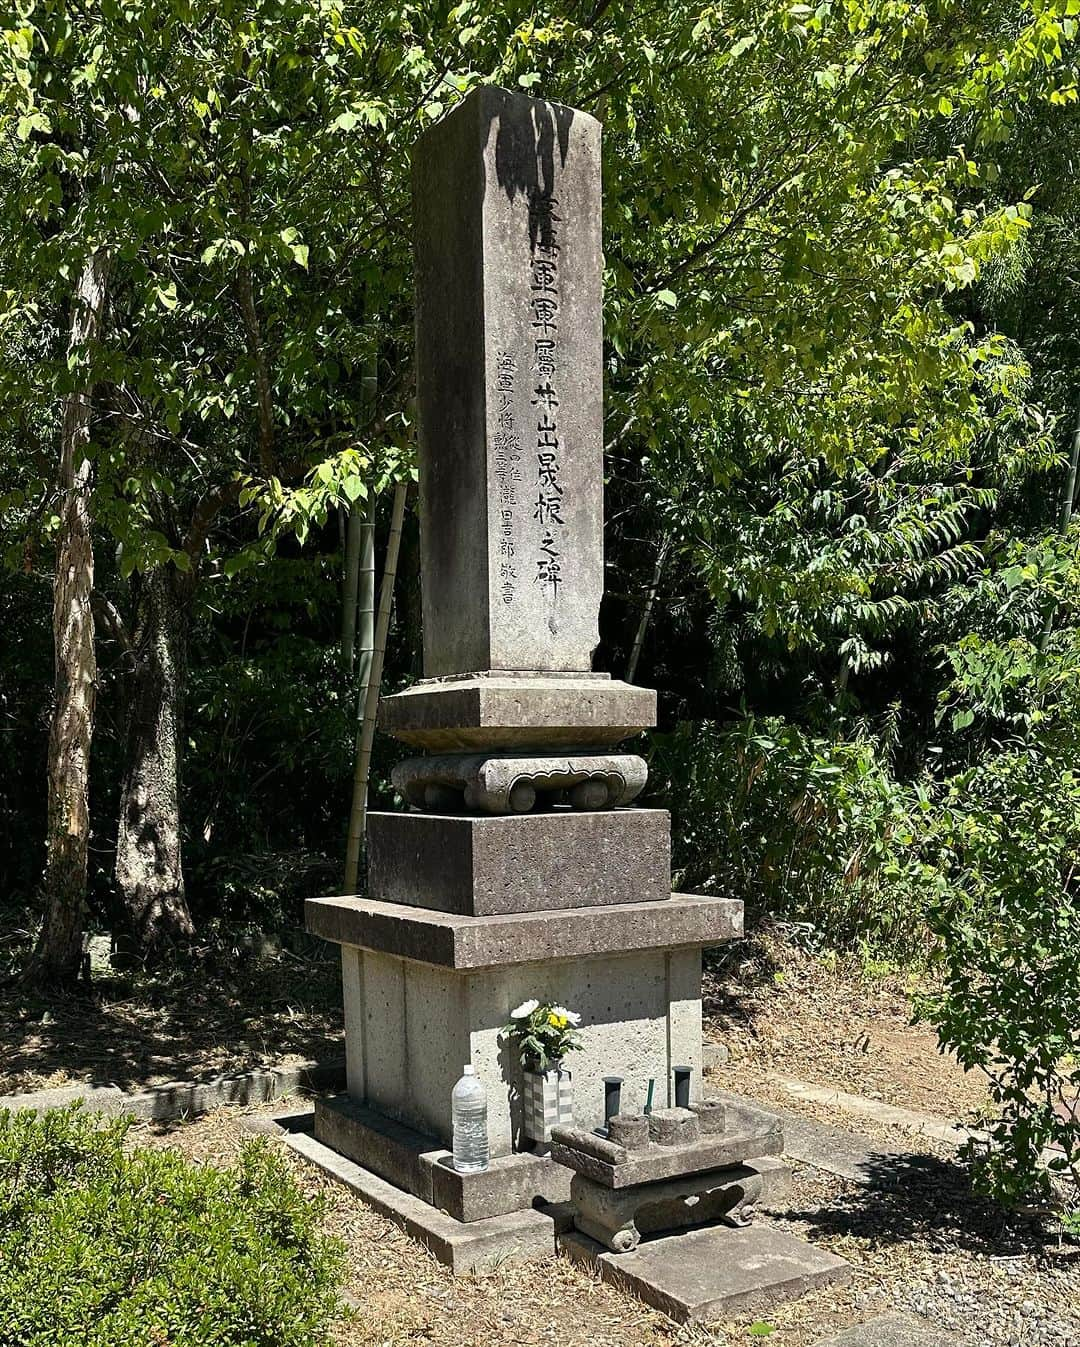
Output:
x=149 y=847
x=58 y=956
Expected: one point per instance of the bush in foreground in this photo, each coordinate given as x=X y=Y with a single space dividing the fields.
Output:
x=105 y=1246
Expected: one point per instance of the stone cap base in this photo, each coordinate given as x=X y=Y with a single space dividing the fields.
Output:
x=506 y=711
x=750 y=1133
x=465 y=943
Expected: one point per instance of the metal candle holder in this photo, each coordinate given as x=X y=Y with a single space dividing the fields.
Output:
x=612 y=1096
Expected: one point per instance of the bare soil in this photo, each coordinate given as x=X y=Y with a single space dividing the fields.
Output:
x=782 y=1013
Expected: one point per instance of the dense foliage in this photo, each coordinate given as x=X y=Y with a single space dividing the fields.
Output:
x=101 y=1244
x=841 y=356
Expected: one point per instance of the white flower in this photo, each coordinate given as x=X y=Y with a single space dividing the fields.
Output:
x=571 y=1016
x=524 y=1010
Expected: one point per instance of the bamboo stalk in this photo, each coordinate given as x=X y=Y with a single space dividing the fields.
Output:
x=350 y=587
x=639 y=638
x=1068 y=497
x=365 y=605
x=366 y=733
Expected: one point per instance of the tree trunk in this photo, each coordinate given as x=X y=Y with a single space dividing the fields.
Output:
x=149 y=858
x=58 y=955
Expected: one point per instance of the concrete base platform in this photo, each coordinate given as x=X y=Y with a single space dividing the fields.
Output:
x=409 y=1028
x=421 y=1166
x=509 y=940
x=475 y=1246
x=714 y=1273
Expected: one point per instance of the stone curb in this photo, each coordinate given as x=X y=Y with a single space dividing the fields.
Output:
x=176 y=1099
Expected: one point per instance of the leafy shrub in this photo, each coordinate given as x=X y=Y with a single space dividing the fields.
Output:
x=105 y=1247
x=813 y=829
x=1007 y=922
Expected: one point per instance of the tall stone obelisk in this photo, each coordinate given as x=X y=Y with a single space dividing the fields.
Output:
x=519 y=868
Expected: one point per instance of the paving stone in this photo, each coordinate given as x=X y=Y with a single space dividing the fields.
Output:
x=890 y=1330
x=835 y=1150
x=715 y=1273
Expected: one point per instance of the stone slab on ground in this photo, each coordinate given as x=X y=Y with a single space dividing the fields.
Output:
x=476 y=1246
x=481 y=865
x=420 y=1165
x=834 y=1150
x=714 y=1273
x=924 y=1124
x=890 y=1330
x=466 y=943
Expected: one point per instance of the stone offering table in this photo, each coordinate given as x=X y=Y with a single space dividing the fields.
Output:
x=673 y=1169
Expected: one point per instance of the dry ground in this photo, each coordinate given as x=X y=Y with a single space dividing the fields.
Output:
x=927 y=1248
x=223 y=1012
x=783 y=1014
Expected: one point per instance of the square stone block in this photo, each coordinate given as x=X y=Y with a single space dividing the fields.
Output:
x=411 y=1027
x=480 y=866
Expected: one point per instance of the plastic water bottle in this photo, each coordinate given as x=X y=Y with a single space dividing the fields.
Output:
x=468 y=1104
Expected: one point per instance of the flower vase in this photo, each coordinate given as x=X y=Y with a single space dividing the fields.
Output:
x=548 y=1098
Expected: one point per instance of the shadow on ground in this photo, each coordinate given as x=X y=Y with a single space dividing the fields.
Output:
x=208 y=1016
x=916 y=1196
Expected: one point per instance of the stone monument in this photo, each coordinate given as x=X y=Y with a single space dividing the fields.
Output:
x=520 y=867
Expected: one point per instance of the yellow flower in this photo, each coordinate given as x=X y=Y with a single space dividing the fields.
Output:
x=557 y=1021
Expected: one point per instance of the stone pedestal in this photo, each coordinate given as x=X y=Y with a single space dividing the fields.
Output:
x=481 y=866
x=522 y=869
